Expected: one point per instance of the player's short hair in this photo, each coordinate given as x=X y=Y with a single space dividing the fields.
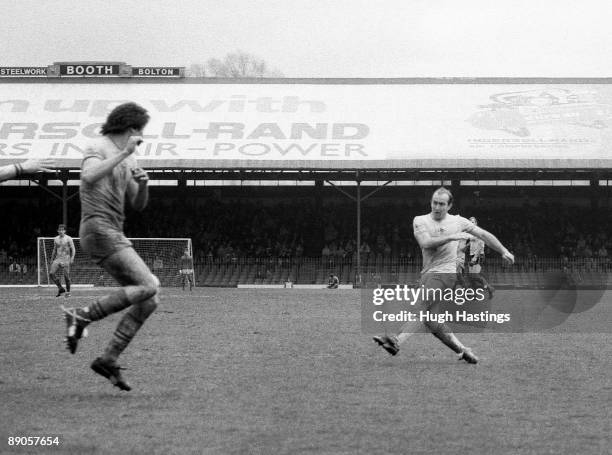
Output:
x=444 y=190
x=61 y=226
x=124 y=117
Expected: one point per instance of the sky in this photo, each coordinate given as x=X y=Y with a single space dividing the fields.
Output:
x=321 y=38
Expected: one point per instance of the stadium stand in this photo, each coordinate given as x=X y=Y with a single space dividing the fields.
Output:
x=246 y=239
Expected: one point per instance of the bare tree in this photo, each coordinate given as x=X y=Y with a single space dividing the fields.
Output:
x=195 y=70
x=240 y=64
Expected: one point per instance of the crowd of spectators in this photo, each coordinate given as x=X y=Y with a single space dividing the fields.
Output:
x=226 y=229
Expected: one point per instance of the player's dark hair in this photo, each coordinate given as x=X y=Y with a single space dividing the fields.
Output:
x=444 y=190
x=124 y=117
x=61 y=226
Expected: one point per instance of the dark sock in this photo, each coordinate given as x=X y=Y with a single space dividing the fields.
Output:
x=109 y=304
x=129 y=324
x=56 y=281
x=123 y=334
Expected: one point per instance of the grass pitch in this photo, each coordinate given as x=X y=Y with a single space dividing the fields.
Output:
x=289 y=371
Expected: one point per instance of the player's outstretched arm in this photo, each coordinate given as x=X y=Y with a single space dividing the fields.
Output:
x=41 y=165
x=494 y=243
x=27 y=167
x=8 y=172
x=94 y=168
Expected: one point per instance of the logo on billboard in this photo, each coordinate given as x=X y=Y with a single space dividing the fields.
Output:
x=516 y=112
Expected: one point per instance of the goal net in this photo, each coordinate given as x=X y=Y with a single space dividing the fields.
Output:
x=162 y=255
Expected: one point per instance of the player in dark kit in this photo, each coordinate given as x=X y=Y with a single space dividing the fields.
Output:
x=109 y=173
x=475 y=250
x=186 y=270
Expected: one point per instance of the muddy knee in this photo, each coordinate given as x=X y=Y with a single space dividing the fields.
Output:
x=152 y=287
x=147 y=306
x=145 y=290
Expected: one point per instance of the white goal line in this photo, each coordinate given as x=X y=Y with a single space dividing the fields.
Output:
x=43 y=286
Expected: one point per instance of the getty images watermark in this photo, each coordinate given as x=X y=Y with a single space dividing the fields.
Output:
x=554 y=302
x=432 y=305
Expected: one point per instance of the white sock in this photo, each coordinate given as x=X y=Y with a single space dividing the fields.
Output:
x=401 y=337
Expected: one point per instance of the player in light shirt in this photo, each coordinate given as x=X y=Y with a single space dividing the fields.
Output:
x=110 y=175
x=438 y=234
x=61 y=258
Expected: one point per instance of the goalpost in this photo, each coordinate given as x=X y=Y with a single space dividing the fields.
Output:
x=162 y=255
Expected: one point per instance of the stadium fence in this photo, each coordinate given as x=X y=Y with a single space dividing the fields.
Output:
x=305 y=270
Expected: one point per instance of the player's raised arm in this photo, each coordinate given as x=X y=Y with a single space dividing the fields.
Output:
x=94 y=167
x=493 y=243
x=138 y=189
